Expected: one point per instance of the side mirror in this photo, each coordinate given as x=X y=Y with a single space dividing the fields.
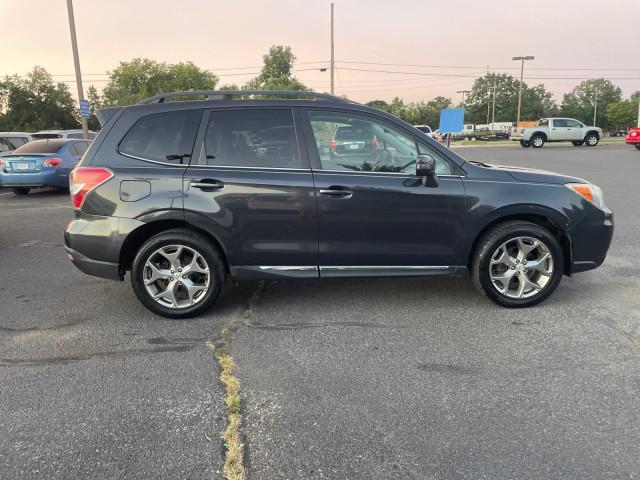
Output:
x=425 y=166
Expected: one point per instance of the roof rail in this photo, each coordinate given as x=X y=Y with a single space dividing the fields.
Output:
x=228 y=94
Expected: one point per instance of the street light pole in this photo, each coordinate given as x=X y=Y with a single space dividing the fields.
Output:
x=332 y=59
x=595 y=108
x=76 y=62
x=522 y=59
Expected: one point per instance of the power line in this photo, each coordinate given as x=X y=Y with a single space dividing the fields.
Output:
x=493 y=68
x=434 y=74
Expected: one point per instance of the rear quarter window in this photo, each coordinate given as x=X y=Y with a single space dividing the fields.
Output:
x=161 y=136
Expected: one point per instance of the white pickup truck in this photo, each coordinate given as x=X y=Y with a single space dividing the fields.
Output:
x=560 y=130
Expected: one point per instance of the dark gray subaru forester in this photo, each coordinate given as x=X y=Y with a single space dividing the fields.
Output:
x=185 y=194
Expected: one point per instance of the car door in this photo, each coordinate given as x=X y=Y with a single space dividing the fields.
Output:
x=250 y=186
x=575 y=130
x=375 y=216
x=559 y=130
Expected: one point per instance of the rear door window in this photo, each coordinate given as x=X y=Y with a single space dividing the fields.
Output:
x=560 y=123
x=163 y=137
x=252 y=138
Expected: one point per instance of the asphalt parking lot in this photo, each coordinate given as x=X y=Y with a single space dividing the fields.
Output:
x=345 y=379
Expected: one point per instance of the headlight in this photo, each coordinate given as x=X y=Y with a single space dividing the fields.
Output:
x=589 y=192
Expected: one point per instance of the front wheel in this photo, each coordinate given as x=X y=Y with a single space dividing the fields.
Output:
x=537 y=141
x=524 y=144
x=177 y=274
x=577 y=143
x=20 y=190
x=518 y=264
x=592 y=140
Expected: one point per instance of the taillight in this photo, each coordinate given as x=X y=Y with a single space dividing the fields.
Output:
x=85 y=179
x=333 y=145
x=52 y=162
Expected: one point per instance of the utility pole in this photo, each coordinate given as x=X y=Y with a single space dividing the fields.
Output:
x=522 y=59
x=333 y=67
x=595 y=108
x=638 y=113
x=76 y=62
x=493 y=108
x=463 y=92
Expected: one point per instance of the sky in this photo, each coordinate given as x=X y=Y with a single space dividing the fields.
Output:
x=437 y=46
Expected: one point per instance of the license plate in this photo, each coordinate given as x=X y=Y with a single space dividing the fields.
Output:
x=354 y=146
x=22 y=166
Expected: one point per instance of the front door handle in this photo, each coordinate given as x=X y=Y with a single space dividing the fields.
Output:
x=207 y=184
x=336 y=192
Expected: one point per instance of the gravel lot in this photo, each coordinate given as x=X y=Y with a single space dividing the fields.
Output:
x=358 y=379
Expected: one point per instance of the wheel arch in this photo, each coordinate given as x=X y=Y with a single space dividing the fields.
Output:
x=589 y=132
x=545 y=217
x=539 y=134
x=137 y=237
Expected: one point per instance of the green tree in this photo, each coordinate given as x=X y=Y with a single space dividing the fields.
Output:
x=536 y=101
x=579 y=103
x=624 y=114
x=132 y=81
x=35 y=102
x=277 y=71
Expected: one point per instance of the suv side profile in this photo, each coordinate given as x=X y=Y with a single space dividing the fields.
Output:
x=186 y=194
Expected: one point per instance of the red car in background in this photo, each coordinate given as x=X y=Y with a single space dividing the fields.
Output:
x=633 y=137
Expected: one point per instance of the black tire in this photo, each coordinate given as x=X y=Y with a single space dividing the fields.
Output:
x=204 y=247
x=577 y=143
x=591 y=140
x=524 y=144
x=537 y=141
x=491 y=241
x=637 y=146
x=20 y=190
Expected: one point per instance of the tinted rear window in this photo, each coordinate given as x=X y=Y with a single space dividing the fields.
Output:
x=11 y=143
x=157 y=136
x=41 y=146
x=46 y=135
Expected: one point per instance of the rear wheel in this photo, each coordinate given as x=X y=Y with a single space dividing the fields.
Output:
x=638 y=146
x=178 y=274
x=537 y=141
x=524 y=144
x=591 y=140
x=518 y=264
x=20 y=190
x=577 y=143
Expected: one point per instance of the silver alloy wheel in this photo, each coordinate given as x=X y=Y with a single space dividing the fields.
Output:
x=521 y=267
x=537 y=141
x=176 y=276
x=592 y=140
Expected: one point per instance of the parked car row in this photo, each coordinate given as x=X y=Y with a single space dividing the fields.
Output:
x=9 y=141
x=40 y=163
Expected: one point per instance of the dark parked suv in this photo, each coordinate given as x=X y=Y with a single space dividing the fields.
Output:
x=186 y=194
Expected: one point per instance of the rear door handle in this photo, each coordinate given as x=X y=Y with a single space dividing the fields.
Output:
x=338 y=192
x=207 y=184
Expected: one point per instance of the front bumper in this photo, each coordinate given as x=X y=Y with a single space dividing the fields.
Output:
x=590 y=240
x=94 y=243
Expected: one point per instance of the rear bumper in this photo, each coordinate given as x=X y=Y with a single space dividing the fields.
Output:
x=94 y=243
x=590 y=240
x=96 y=268
x=43 y=178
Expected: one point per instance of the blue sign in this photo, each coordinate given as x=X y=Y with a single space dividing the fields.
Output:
x=451 y=120
x=85 y=109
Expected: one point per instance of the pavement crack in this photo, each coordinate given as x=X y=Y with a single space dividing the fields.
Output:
x=36 y=362
x=232 y=437
x=295 y=326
